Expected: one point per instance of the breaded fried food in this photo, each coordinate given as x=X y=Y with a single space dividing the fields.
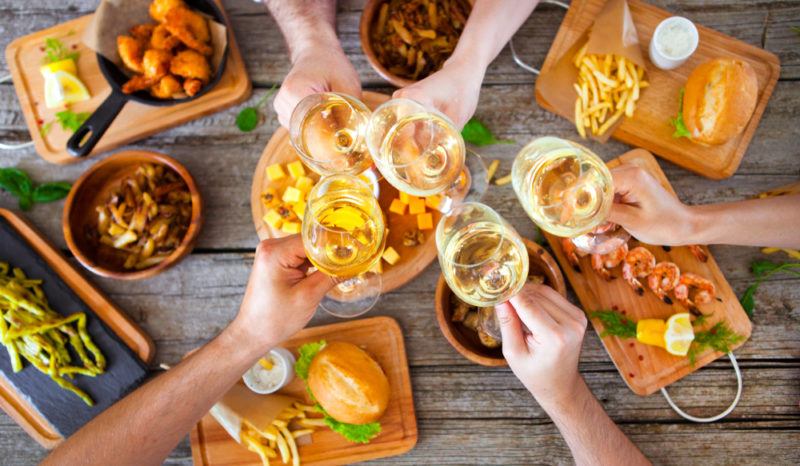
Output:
x=142 y=31
x=160 y=8
x=131 y=52
x=156 y=63
x=192 y=86
x=137 y=83
x=166 y=87
x=190 y=27
x=190 y=64
x=162 y=39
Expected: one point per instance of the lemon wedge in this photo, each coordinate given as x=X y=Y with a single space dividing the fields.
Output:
x=63 y=88
x=67 y=65
x=651 y=332
x=679 y=334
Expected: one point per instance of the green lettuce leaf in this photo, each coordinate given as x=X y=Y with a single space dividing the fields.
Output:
x=307 y=353
x=678 y=123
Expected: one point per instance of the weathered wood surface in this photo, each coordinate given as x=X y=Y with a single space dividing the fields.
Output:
x=467 y=414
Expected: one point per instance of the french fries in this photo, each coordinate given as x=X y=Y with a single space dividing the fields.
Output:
x=278 y=440
x=608 y=88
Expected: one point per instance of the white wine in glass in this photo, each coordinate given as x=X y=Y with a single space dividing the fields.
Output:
x=567 y=191
x=419 y=151
x=483 y=259
x=344 y=235
x=328 y=131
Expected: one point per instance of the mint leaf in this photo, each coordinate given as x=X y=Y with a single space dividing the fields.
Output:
x=307 y=353
x=49 y=192
x=478 y=134
x=247 y=119
x=678 y=123
x=16 y=182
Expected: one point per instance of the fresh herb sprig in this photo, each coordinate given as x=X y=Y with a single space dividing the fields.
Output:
x=476 y=133
x=247 y=119
x=19 y=184
x=55 y=50
x=720 y=338
x=762 y=270
x=71 y=121
x=678 y=122
x=615 y=324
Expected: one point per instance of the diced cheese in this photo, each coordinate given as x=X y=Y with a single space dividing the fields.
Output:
x=425 y=221
x=304 y=184
x=292 y=195
x=416 y=206
x=291 y=227
x=299 y=209
x=273 y=218
x=275 y=172
x=433 y=201
x=391 y=256
x=296 y=169
x=405 y=198
x=397 y=207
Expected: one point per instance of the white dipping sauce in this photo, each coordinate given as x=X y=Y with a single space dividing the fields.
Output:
x=675 y=40
x=266 y=380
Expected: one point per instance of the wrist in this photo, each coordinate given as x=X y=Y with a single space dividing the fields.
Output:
x=244 y=338
x=320 y=38
x=565 y=399
x=699 y=223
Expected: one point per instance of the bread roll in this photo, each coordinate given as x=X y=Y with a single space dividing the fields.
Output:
x=719 y=100
x=348 y=383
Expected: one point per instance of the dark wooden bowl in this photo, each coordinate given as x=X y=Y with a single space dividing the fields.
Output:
x=371 y=8
x=466 y=341
x=94 y=187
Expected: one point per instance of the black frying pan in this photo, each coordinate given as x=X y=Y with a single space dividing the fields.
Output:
x=87 y=136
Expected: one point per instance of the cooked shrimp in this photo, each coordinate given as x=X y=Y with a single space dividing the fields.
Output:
x=156 y=63
x=698 y=252
x=160 y=8
x=142 y=31
x=162 y=39
x=166 y=87
x=191 y=28
x=665 y=277
x=131 y=51
x=602 y=263
x=137 y=83
x=192 y=86
x=190 y=64
x=639 y=263
x=704 y=291
x=572 y=253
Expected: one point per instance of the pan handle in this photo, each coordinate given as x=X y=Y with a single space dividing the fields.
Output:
x=79 y=145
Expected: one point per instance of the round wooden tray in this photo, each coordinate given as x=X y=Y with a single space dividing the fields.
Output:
x=413 y=259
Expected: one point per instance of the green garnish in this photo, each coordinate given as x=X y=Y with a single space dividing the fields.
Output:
x=70 y=120
x=796 y=29
x=17 y=183
x=358 y=433
x=247 y=119
x=55 y=50
x=678 y=122
x=762 y=270
x=478 y=134
x=45 y=129
x=615 y=324
x=720 y=338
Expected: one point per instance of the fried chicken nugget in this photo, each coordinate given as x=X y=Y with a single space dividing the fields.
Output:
x=156 y=63
x=190 y=64
x=192 y=86
x=131 y=51
x=191 y=28
x=142 y=31
x=166 y=87
x=160 y=8
x=137 y=83
x=162 y=39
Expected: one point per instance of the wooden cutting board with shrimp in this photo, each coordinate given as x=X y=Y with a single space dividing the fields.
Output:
x=648 y=368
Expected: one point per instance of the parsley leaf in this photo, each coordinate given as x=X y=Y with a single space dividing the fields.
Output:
x=71 y=121
x=19 y=184
x=247 y=119
x=55 y=50
x=478 y=134
x=678 y=123
x=615 y=324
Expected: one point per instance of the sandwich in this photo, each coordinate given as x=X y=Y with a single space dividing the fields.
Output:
x=348 y=386
x=717 y=102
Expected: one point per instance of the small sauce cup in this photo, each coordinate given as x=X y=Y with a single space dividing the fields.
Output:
x=265 y=381
x=674 y=41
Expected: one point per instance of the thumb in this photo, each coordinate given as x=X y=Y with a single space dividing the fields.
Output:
x=511 y=330
x=315 y=286
x=624 y=215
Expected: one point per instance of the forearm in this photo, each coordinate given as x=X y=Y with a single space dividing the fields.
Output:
x=146 y=425
x=305 y=24
x=773 y=221
x=591 y=435
x=489 y=27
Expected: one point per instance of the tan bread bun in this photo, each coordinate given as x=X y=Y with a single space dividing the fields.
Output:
x=348 y=383
x=719 y=100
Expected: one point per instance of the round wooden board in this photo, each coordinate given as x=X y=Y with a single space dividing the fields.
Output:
x=413 y=259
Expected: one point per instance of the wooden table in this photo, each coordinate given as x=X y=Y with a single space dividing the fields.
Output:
x=466 y=413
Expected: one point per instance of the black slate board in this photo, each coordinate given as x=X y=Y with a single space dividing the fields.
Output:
x=63 y=409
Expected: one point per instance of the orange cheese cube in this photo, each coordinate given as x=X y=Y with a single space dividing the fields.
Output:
x=299 y=209
x=416 y=206
x=291 y=227
x=397 y=207
x=304 y=184
x=292 y=195
x=425 y=221
x=391 y=256
x=296 y=169
x=275 y=172
x=404 y=197
x=433 y=201
x=273 y=218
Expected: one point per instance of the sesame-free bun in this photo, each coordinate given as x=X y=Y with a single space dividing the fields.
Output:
x=719 y=100
x=348 y=383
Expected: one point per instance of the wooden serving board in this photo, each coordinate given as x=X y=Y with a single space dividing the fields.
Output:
x=650 y=126
x=140 y=343
x=135 y=121
x=413 y=259
x=648 y=368
x=382 y=338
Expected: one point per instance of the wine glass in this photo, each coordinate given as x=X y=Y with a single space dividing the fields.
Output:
x=344 y=235
x=568 y=191
x=483 y=259
x=328 y=131
x=420 y=152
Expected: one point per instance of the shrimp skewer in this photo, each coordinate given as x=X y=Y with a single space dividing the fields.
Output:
x=664 y=278
x=705 y=291
x=639 y=263
x=601 y=263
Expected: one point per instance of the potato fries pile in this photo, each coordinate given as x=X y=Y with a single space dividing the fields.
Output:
x=278 y=439
x=608 y=87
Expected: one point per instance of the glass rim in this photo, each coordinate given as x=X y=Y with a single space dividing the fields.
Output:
x=512 y=235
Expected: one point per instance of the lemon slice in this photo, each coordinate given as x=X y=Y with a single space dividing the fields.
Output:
x=62 y=88
x=651 y=332
x=67 y=65
x=679 y=335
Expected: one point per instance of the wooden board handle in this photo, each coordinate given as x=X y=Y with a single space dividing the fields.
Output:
x=97 y=124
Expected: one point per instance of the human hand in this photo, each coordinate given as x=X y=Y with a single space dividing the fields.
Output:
x=453 y=90
x=280 y=298
x=546 y=359
x=316 y=68
x=647 y=210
